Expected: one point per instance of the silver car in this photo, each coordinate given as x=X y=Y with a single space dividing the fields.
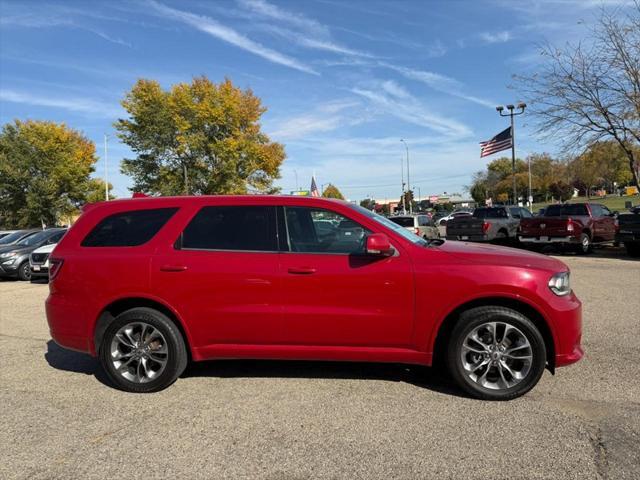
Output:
x=421 y=225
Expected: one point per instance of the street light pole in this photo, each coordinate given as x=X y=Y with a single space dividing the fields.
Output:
x=402 y=199
x=512 y=114
x=408 y=178
x=106 y=161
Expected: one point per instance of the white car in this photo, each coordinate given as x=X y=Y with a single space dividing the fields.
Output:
x=39 y=261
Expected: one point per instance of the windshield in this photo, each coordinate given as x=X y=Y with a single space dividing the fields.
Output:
x=413 y=238
x=34 y=239
x=12 y=237
x=564 y=210
x=402 y=221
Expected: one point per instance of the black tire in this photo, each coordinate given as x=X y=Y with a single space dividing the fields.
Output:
x=24 y=271
x=585 y=246
x=633 y=248
x=475 y=317
x=177 y=355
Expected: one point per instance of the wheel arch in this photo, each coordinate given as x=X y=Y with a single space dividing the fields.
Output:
x=446 y=326
x=116 y=307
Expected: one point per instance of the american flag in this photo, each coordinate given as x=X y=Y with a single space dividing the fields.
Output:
x=314 y=188
x=501 y=141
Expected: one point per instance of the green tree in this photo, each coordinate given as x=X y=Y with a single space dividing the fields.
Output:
x=95 y=191
x=197 y=138
x=561 y=191
x=332 y=192
x=368 y=203
x=44 y=172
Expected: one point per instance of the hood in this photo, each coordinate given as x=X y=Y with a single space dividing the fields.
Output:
x=504 y=256
x=46 y=248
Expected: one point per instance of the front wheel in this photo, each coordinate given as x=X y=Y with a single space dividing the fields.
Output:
x=24 y=271
x=143 y=351
x=496 y=353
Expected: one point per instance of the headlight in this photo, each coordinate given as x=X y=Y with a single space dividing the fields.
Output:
x=7 y=255
x=559 y=284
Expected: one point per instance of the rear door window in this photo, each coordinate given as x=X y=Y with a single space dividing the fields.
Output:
x=244 y=228
x=566 y=210
x=403 y=221
x=128 y=229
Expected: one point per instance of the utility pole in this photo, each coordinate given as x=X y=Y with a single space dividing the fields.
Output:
x=530 y=196
x=512 y=114
x=186 y=178
x=106 y=161
x=408 y=178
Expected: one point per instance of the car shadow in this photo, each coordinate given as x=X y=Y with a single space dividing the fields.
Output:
x=429 y=378
x=424 y=377
x=76 y=362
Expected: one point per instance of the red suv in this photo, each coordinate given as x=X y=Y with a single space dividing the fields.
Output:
x=148 y=284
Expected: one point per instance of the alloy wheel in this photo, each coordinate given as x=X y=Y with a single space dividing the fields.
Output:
x=139 y=352
x=496 y=355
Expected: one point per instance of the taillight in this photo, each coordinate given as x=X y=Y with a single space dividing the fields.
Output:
x=55 y=264
x=569 y=225
x=416 y=231
x=485 y=227
x=616 y=224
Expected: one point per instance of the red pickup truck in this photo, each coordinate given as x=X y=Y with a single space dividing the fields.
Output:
x=579 y=225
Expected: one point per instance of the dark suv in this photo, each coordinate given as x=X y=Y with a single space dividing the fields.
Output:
x=14 y=258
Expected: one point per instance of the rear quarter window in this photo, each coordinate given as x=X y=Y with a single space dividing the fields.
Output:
x=128 y=229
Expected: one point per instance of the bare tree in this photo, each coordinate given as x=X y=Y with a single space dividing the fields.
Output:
x=591 y=91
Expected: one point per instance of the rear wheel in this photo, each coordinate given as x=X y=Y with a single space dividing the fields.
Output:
x=496 y=353
x=24 y=271
x=143 y=351
x=585 y=245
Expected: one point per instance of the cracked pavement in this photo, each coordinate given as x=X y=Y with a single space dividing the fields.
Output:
x=248 y=419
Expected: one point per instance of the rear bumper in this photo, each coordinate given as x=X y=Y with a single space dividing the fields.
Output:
x=67 y=324
x=40 y=272
x=469 y=238
x=548 y=240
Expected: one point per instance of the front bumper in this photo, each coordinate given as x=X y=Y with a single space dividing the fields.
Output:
x=567 y=323
x=8 y=269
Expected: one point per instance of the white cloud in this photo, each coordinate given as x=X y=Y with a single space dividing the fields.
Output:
x=394 y=89
x=229 y=35
x=307 y=32
x=498 y=37
x=324 y=118
x=88 y=106
x=411 y=111
x=439 y=82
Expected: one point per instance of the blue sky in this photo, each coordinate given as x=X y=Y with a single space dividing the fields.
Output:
x=343 y=80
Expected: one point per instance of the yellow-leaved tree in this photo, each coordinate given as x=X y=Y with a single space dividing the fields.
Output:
x=197 y=138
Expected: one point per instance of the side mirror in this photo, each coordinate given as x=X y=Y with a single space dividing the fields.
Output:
x=378 y=244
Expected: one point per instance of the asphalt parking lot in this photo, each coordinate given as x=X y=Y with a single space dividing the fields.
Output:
x=244 y=419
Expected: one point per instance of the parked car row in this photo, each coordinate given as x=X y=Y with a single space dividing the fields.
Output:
x=17 y=247
x=575 y=226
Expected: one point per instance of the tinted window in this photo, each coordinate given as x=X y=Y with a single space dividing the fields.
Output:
x=128 y=229
x=424 y=221
x=524 y=213
x=56 y=238
x=490 y=213
x=402 y=221
x=565 y=210
x=232 y=228
x=306 y=236
x=35 y=239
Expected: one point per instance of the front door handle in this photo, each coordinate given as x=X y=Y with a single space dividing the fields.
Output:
x=173 y=268
x=301 y=270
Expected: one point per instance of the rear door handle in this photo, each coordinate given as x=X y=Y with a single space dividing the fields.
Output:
x=173 y=268
x=301 y=270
